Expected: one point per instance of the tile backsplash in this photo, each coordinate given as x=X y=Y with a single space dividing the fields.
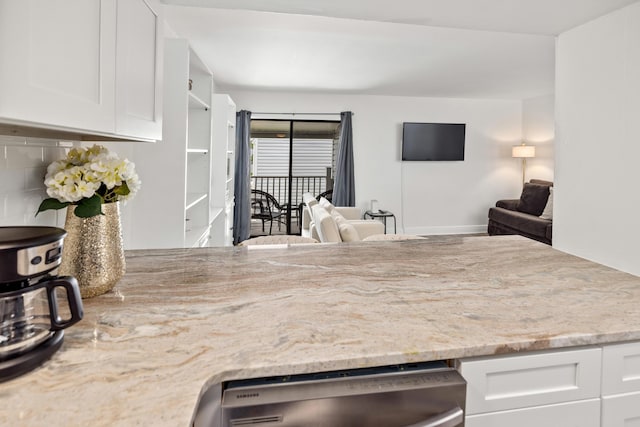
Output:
x=23 y=165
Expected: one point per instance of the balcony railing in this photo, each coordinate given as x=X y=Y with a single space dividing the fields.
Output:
x=278 y=187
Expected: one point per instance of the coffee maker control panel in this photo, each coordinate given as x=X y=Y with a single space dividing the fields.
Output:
x=39 y=259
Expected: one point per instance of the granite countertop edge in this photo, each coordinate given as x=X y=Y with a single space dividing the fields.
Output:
x=182 y=320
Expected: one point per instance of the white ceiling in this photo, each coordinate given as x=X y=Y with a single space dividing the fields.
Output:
x=441 y=48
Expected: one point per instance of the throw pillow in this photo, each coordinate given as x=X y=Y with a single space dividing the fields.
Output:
x=548 y=210
x=533 y=199
x=326 y=204
x=348 y=232
x=337 y=216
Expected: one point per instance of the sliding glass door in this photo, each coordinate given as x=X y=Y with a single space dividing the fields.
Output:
x=289 y=158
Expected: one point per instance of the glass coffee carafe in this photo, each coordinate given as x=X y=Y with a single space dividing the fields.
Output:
x=30 y=316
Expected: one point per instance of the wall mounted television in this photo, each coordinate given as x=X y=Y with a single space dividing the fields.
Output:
x=433 y=141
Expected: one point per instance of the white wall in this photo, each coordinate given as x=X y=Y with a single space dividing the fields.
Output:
x=538 y=129
x=427 y=197
x=598 y=140
x=23 y=165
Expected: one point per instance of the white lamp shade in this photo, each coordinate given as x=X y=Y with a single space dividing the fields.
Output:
x=523 y=151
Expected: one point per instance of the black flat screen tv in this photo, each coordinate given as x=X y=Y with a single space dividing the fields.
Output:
x=433 y=141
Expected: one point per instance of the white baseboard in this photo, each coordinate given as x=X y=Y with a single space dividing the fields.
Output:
x=453 y=229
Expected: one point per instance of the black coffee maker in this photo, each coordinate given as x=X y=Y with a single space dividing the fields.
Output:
x=35 y=304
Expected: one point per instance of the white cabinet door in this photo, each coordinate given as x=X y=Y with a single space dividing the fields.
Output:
x=584 y=413
x=57 y=63
x=621 y=411
x=621 y=385
x=139 y=69
x=524 y=380
x=621 y=368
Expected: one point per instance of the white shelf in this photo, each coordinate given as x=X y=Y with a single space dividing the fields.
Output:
x=196 y=103
x=197 y=151
x=215 y=213
x=195 y=235
x=193 y=199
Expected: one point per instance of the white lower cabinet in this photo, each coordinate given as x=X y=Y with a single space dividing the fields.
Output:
x=552 y=388
x=621 y=369
x=519 y=381
x=585 y=413
x=621 y=410
x=621 y=385
x=595 y=386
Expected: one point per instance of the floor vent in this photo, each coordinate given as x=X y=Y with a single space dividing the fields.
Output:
x=256 y=420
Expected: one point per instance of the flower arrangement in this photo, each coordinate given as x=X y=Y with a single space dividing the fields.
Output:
x=87 y=178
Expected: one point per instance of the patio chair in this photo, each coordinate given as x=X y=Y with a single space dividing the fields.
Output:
x=326 y=194
x=265 y=207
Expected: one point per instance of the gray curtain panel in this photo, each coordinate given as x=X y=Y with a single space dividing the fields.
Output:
x=344 y=192
x=242 y=184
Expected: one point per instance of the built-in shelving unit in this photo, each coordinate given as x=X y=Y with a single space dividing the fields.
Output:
x=174 y=210
x=199 y=90
x=222 y=170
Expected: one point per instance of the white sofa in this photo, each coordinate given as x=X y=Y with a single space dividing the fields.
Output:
x=331 y=224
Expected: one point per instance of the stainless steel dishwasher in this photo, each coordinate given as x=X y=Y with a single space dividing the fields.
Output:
x=412 y=395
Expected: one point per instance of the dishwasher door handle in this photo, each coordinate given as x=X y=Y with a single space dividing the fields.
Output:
x=451 y=418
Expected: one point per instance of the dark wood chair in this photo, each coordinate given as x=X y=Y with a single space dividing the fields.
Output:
x=265 y=207
x=326 y=194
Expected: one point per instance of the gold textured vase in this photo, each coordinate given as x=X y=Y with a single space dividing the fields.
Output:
x=93 y=252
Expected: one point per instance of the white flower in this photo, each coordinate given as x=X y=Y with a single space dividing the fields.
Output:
x=106 y=170
x=134 y=185
x=89 y=171
x=79 y=189
x=56 y=167
x=76 y=156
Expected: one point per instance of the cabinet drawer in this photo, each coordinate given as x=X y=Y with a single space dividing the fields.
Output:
x=621 y=368
x=585 y=413
x=621 y=410
x=523 y=380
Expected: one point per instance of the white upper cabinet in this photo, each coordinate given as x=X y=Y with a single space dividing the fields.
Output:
x=88 y=67
x=58 y=63
x=139 y=69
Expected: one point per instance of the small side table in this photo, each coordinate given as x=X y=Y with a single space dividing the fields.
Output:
x=382 y=215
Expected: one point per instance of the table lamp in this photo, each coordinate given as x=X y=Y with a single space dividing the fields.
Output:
x=523 y=152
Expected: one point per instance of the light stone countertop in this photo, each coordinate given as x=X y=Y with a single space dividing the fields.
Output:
x=182 y=319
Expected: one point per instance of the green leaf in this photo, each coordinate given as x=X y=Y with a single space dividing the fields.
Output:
x=122 y=189
x=87 y=208
x=51 y=203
